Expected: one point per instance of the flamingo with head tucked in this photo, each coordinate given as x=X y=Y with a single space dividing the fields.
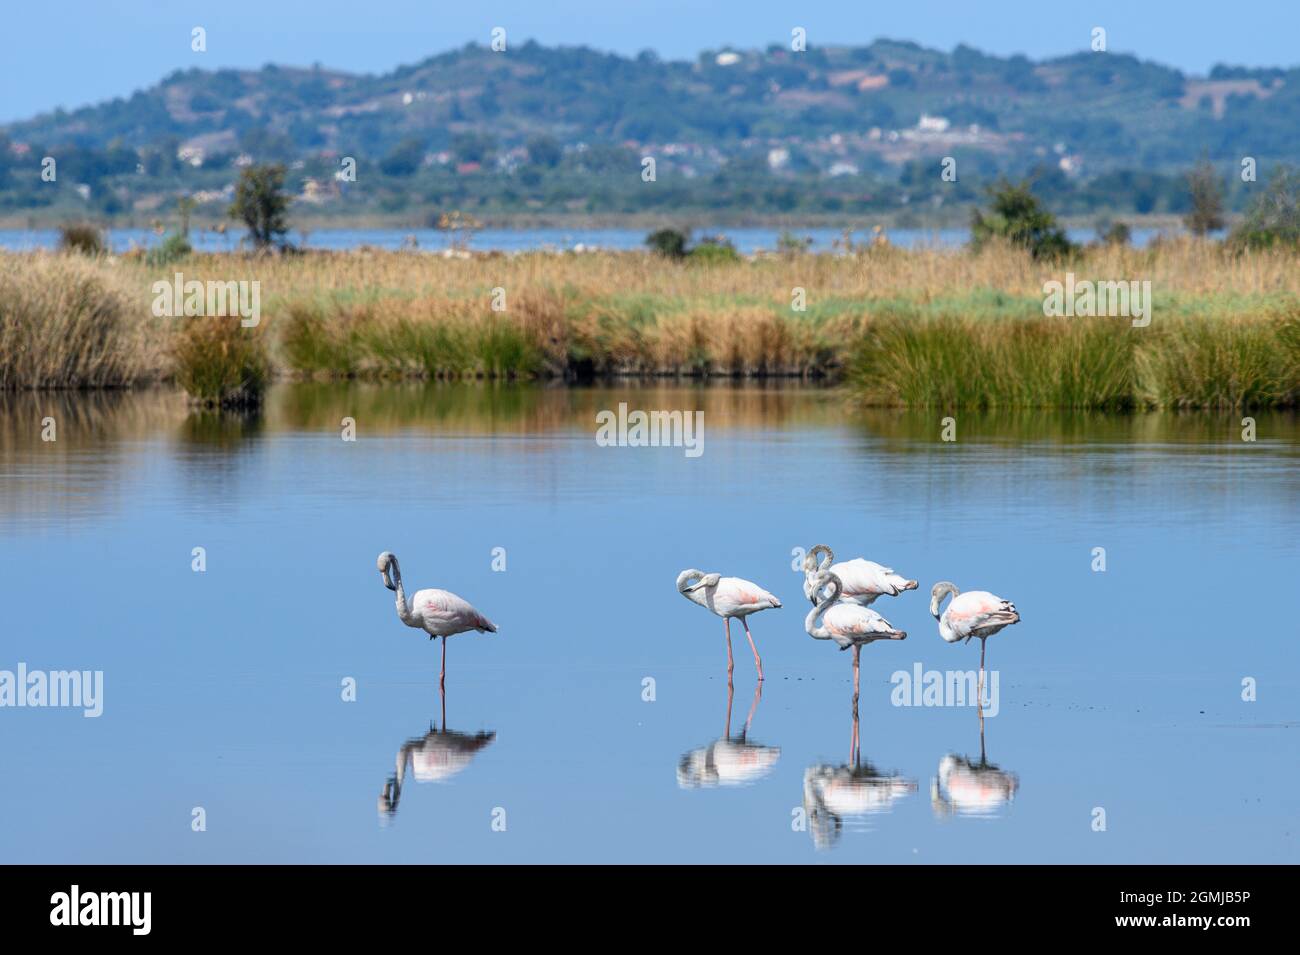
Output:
x=863 y=580
x=848 y=624
x=976 y=613
x=728 y=597
x=439 y=613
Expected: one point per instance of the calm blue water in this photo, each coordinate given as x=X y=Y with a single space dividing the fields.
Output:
x=518 y=240
x=1119 y=691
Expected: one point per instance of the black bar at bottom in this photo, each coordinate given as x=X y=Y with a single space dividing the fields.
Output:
x=304 y=903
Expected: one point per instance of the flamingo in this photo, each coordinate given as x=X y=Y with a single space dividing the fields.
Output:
x=728 y=597
x=847 y=623
x=976 y=613
x=439 y=613
x=864 y=580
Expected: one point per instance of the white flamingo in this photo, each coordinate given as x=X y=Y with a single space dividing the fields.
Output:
x=863 y=580
x=976 y=613
x=848 y=624
x=439 y=613
x=728 y=597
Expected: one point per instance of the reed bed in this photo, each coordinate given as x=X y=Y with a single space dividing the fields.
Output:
x=916 y=328
x=950 y=362
x=66 y=322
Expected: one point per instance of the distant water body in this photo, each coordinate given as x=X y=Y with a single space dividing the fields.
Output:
x=521 y=240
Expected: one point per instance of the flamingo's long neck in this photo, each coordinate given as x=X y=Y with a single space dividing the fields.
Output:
x=810 y=622
x=403 y=611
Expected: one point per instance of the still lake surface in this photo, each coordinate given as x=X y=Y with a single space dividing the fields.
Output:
x=1119 y=691
x=747 y=241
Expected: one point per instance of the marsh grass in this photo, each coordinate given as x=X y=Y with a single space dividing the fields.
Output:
x=66 y=323
x=1203 y=363
x=922 y=328
x=222 y=364
x=1082 y=364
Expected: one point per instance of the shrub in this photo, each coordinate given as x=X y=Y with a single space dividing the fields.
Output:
x=1114 y=233
x=1019 y=218
x=172 y=249
x=1274 y=218
x=82 y=238
x=670 y=243
x=714 y=250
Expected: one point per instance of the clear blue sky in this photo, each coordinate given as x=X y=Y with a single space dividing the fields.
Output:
x=75 y=52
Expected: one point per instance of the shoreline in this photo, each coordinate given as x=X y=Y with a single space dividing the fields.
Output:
x=641 y=222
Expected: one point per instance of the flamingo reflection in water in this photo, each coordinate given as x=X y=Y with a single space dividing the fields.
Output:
x=729 y=760
x=856 y=789
x=436 y=756
x=965 y=787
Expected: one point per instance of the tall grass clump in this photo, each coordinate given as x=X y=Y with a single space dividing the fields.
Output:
x=1224 y=364
x=221 y=364
x=919 y=361
x=66 y=323
x=1098 y=364
x=445 y=341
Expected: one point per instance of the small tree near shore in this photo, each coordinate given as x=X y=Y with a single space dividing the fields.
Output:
x=261 y=204
x=1206 y=214
x=1016 y=216
x=1273 y=219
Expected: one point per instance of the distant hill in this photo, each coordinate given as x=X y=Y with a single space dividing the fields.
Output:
x=850 y=115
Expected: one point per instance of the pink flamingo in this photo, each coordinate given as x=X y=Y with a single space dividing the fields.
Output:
x=863 y=580
x=976 y=613
x=439 y=613
x=728 y=597
x=848 y=624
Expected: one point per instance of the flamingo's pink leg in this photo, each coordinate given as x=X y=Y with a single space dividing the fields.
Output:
x=442 y=677
x=758 y=661
x=980 y=689
x=857 y=653
x=731 y=663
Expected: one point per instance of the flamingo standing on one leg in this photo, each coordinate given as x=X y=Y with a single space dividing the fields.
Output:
x=728 y=597
x=976 y=613
x=864 y=580
x=848 y=624
x=439 y=613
